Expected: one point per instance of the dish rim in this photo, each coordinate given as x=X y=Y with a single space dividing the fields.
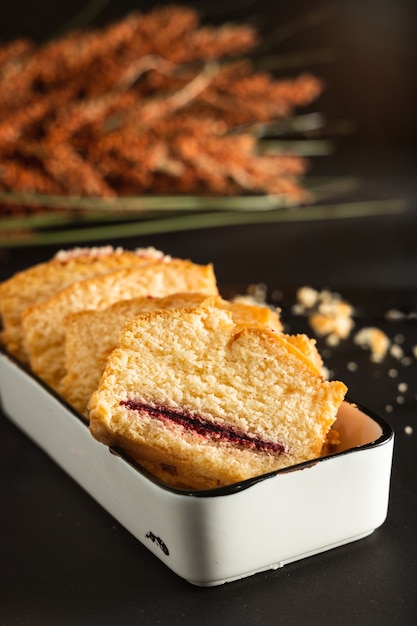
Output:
x=386 y=435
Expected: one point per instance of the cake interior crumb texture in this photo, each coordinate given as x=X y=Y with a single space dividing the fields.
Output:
x=91 y=336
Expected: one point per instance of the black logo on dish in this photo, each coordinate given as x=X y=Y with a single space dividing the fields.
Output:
x=158 y=542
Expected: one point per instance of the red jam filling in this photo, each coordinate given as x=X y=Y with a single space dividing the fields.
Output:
x=200 y=426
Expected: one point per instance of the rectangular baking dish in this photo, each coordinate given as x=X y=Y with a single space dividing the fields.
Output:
x=217 y=536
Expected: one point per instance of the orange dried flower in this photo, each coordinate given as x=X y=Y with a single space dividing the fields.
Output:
x=152 y=103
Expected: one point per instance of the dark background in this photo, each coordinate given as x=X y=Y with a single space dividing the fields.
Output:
x=371 y=76
x=64 y=560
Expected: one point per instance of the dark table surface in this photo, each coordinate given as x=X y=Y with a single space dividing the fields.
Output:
x=64 y=560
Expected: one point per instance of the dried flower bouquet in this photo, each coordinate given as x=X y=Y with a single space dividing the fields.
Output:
x=154 y=103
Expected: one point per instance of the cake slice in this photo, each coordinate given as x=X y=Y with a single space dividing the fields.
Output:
x=90 y=336
x=40 y=282
x=203 y=401
x=44 y=324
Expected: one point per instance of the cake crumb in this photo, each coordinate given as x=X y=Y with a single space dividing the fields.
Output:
x=307 y=297
x=298 y=309
x=277 y=295
x=101 y=251
x=255 y=294
x=333 y=319
x=332 y=340
x=328 y=314
x=326 y=373
x=397 y=352
x=258 y=292
x=394 y=314
x=408 y=430
x=375 y=340
x=402 y=387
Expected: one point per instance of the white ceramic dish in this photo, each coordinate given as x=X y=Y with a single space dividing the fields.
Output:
x=212 y=537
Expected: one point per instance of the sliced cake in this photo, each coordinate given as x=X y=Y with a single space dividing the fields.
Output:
x=40 y=282
x=44 y=324
x=92 y=335
x=204 y=401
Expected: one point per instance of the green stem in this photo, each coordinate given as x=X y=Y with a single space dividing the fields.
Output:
x=210 y=220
